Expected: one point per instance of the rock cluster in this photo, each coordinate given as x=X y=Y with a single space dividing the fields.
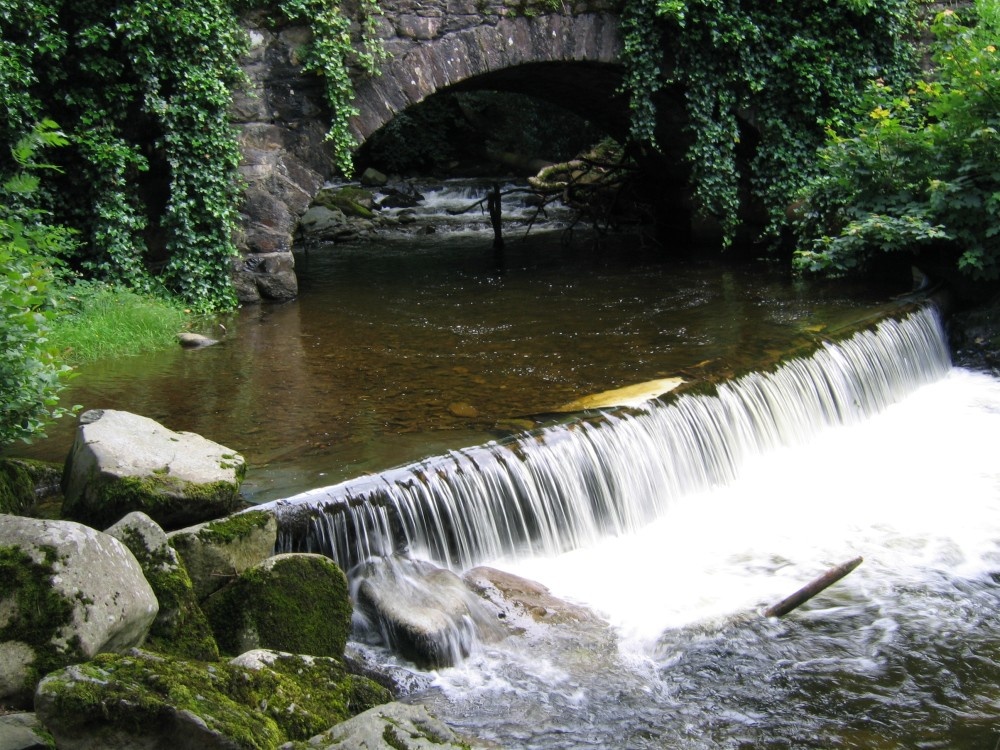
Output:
x=203 y=637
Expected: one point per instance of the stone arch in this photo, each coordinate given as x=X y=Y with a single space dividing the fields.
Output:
x=282 y=118
x=451 y=59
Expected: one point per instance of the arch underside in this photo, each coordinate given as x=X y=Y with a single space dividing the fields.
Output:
x=570 y=61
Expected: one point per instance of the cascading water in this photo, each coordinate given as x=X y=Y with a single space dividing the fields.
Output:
x=567 y=487
x=680 y=521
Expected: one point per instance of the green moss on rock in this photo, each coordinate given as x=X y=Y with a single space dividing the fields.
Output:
x=306 y=695
x=168 y=500
x=297 y=603
x=35 y=613
x=20 y=480
x=232 y=528
x=142 y=694
x=181 y=628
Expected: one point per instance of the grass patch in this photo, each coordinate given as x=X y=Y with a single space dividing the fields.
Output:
x=101 y=321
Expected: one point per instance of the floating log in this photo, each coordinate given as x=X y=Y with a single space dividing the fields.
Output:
x=807 y=592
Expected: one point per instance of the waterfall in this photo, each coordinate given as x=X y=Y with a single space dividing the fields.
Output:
x=567 y=486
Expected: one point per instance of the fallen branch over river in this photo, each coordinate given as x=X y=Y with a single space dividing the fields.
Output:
x=807 y=592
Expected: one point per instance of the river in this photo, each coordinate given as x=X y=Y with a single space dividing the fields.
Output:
x=413 y=346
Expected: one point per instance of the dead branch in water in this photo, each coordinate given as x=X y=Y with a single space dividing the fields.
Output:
x=807 y=592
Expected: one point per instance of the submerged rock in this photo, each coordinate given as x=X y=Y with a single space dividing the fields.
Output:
x=194 y=340
x=122 y=462
x=293 y=602
x=180 y=628
x=215 y=553
x=424 y=612
x=67 y=592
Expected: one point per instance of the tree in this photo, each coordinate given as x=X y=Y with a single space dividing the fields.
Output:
x=917 y=168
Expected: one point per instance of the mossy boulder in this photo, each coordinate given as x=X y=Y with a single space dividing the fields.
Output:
x=315 y=692
x=215 y=553
x=67 y=592
x=353 y=201
x=143 y=700
x=297 y=603
x=23 y=481
x=122 y=462
x=180 y=628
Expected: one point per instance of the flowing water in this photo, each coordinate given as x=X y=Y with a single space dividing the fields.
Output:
x=680 y=522
x=677 y=522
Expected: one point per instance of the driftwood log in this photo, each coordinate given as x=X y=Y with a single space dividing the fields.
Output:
x=807 y=592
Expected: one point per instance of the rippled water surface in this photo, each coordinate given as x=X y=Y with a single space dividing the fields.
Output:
x=400 y=348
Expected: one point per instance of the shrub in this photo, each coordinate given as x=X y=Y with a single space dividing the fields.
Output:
x=916 y=167
x=31 y=376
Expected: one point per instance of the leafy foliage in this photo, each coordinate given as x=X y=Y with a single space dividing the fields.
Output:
x=30 y=375
x=143 y=91
x=916 y=167
x=756 y=78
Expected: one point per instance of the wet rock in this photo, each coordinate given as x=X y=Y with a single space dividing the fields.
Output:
x=362 y=660
x=67 y=592
x=424 y=612
x=23 y=732
x=194 y=340
x=215 y=553
x=322 y=223
x=373 y=178
x=122 y=462
x=265 y=276
x=394 y=726
x=180 y=628
x=292 y=602
x=353 y=201
x=514 y=597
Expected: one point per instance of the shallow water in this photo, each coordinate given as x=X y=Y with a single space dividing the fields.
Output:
x=404 y=347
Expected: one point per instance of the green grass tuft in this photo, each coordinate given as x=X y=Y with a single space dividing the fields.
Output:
x=101 y=321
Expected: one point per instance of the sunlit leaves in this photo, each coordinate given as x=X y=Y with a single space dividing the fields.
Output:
x=924 y=161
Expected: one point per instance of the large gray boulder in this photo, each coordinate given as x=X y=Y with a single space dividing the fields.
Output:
x=122 y=462
x=67 y=593
x=215 y=553
x=180 y=628
x=424 y=612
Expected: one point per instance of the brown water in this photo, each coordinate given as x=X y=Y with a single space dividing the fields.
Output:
x=404 y=347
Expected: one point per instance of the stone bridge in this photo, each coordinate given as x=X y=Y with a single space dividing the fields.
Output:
x=567 y=57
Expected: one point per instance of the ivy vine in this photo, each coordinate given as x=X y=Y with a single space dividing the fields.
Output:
x=143 y=91
x=330 y=55
x=773 y=71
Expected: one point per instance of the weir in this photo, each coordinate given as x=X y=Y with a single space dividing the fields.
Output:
x=567 y=486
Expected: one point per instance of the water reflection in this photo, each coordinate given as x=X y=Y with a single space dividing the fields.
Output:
x=406 y=347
